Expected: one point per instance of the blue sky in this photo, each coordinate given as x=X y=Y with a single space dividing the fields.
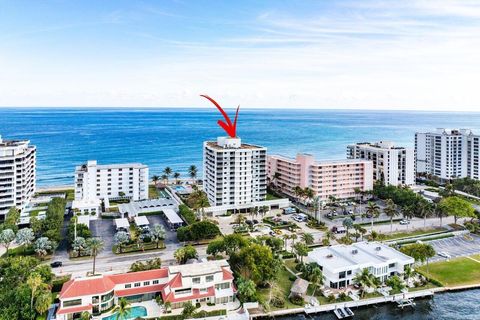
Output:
x=290 y=54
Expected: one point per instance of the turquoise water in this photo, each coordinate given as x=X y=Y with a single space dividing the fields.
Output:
x=174 y=137
x=135 y=312
x=179 y=188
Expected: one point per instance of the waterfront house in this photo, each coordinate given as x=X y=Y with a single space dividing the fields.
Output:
x=205 y=282
x=340 y=263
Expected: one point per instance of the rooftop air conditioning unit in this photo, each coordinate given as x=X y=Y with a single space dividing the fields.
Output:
x=378 y=248
x=329 y=255
x=354 y=251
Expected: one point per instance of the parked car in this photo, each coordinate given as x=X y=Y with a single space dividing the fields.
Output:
x=444 y=255
x=249 y=222
x=56 y=264
x=404 y=221
x=290 y=210
x=339 y=230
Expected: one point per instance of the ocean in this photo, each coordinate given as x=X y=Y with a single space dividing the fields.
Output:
x=173 y=137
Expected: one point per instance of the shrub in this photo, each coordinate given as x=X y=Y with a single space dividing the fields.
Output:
x=187 y=214
x=297 y=300
x=198 y=231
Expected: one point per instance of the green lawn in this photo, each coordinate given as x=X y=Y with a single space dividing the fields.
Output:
x=413 y=233
x=290 y=263
x=271 y=197
x=284 y=282
x=152 y=192
x=456 y=272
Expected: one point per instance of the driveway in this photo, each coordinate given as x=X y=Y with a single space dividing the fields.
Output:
x=104 y=229
x=170 y=236
x=457 y=246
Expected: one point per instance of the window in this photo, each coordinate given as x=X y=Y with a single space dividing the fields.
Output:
x=209 y=278
x=181 y=291
x=224 y=285
x=129 y=285
x=137 y=284
x=155 y=282
x=196 y=280
x=341 y=275
x=107 y=296
x=146 y=283
x=70 y=303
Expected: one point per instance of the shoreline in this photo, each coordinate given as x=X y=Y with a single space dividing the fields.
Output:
x=366 y=302
x=55 y=188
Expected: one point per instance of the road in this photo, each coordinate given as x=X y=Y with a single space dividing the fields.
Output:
x=120 y=263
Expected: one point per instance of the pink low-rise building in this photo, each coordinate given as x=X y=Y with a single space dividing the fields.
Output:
x=338 y=178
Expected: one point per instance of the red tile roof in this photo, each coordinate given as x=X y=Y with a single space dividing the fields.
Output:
x=86 y=287
x=195 y=295
x=176 y=282
x=75 y=309
x=227 y=275
x=139 y=290
x=104 y=284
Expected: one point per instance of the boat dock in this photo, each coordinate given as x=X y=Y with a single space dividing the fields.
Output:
x=405 y=303
x=343 y=313
x=309 y=309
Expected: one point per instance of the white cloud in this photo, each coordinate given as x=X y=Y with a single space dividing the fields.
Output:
x=379 y=54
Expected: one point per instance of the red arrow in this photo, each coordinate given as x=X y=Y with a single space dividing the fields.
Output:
x=230 y=129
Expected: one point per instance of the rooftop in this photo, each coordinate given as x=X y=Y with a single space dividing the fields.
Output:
x=380 y=145
x=361 y=255
x=13 y=143
x=201 y=268
x=245 y=146
x=93 y=163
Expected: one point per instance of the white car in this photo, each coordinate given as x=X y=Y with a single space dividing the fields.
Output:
x=444 y=255
x=404 y=222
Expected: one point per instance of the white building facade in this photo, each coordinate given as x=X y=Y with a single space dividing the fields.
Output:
x=234 y=173
x=392 y=165
x=95 y=182
x=448 y=153
x=17 y=174
x=340 y=263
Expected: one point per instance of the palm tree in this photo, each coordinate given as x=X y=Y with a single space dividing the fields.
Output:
x=167 y=172
x=123 y=309
x=275 y=177
x=308 y=238
x=94 y=245
x=293 y=236
x=164 y=178
x=373 y=210
x=85 y=315
x=285 y=240
x=315 y=277
x=407 y=212
x=316 y=208
x=192 y=171
x=298 y=191
x=34 y=281
x=425 y=210
x=309 y=194
x=155 y=179
x=365 y=279
x=391 y=211
x=176 y=176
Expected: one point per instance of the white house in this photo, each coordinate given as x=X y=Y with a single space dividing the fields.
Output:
x=340 y=263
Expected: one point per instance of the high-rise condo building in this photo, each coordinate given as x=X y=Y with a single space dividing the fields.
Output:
x=17 y=174
x=234 y=173
x=448 y=153
x=95 y=182
x=337 y=178
x=392 y=165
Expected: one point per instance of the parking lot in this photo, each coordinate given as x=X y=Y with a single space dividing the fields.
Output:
x=458 y=246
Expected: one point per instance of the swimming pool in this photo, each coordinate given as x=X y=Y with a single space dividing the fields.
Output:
x=134 y=313
x=180 y=188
